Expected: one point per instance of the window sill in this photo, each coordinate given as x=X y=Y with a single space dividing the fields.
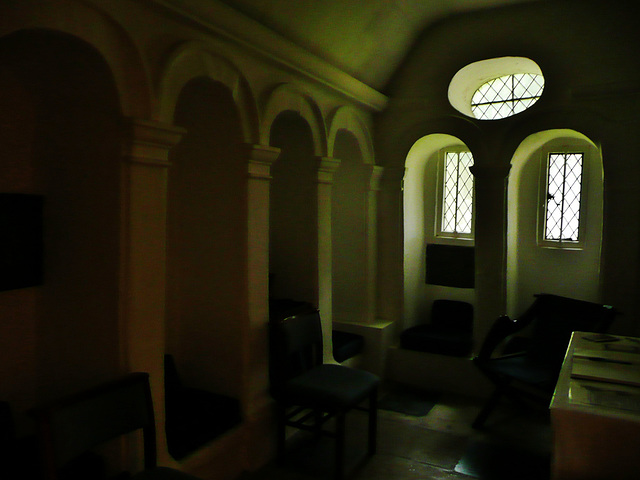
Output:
x=561 y=246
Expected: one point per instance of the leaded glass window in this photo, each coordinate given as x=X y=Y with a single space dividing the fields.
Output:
x=506 y=96
x=564 y=189
x=457 y=194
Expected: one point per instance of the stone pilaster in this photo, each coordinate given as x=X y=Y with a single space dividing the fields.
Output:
x=146 y=160
x=257 y=401
x=326 y=168
x=374 y=176
x=491 y=244
x=390 y=288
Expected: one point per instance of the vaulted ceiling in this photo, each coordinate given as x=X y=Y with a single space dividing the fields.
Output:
x=367 y=39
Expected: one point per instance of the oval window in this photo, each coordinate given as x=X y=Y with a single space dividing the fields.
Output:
x=507 y=95
x=496 y=88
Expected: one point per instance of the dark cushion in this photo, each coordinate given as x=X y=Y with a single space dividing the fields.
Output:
x=194 y=417
x=162 y=473
x=433 y=339
x=346 y=345
x=330 y=386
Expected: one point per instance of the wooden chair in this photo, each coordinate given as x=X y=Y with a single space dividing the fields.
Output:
x=529 y=372
x=308 y=392
x=70 y=427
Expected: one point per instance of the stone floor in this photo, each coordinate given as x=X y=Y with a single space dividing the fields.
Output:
x=439 y=445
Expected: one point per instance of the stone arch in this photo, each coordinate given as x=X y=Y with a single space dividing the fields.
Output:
x=348 y=119
x=190 y=60
x=419 y=207
x=285 y=97
x=392 y=150
x=100 y=31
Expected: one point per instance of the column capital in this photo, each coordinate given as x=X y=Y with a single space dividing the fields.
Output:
x=148 y=142
x=488 y=172
x=327 y=166
x=259 y=158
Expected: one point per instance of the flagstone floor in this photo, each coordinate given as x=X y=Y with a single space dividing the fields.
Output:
x=440 y=445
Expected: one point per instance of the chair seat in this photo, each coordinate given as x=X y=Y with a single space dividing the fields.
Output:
x=435 y=339
x=330 y=386
x=520 y=368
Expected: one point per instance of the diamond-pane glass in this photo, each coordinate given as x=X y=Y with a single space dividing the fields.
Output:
x=564 y=187
x=457 y=200
x=506 y=96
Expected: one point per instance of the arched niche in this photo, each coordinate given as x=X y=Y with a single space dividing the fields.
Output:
x=286 y=98
x=532 y=268
x=419 y=207
x=97 y=28
x=191 y=60
x=347 y=119
x=349 y=231
x=60 y=138
x=293 y=235
x=206 y=239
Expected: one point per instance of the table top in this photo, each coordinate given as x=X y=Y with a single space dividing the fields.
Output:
x=600 y=376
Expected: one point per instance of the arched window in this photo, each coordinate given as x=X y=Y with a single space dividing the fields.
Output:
x=561 y=222
x=455 y=200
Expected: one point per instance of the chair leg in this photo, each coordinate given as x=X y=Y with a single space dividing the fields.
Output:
x=281 y=413
x=373 y=421
x=317 y=423
x=340 y=445
x=488 y=407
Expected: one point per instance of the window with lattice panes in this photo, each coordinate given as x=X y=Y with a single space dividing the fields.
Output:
x=564 y=198
x=456 y=202
x=506 y=96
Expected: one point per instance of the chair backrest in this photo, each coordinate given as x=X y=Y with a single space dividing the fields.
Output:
x=553 y=318
x=556 y=317
x=502 y=328
x=295 y=346
x=75 y=424
x=452 y=314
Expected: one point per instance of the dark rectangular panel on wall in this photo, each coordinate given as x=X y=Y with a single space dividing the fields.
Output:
x=450 y=266
x=21 y=241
